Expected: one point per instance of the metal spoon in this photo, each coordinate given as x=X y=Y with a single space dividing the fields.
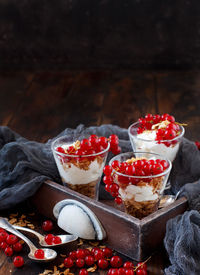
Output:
x=64 y=238
x=168 y=199
x=49 y=254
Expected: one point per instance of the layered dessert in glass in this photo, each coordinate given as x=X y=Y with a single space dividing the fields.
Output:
x=157 y=134
x=137 y=179
x=80 y=161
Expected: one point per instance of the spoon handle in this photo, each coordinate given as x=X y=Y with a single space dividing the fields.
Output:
x=7 y=226
x=40 y=236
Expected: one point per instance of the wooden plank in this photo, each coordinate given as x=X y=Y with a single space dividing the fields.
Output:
x=178 y=94
x=13 y=88
x=126 y=234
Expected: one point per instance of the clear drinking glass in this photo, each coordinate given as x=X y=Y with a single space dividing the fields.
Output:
x=81 y=173
x=167 y=148
x=140 y=194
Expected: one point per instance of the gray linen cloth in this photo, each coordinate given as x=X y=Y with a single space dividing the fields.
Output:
x=25 y=165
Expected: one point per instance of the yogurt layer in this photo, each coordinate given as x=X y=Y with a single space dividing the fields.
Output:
x=139 y=193
x=74 y=175
x=145 y=142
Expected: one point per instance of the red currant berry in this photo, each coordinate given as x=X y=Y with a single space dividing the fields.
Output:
x=8 y=251
x=107 y=252
x=129 y=271
x=107 y=170
x=83 y=271
x=118 y=200
x=108 y=180
x=89 y=260
x=87 y=252
x=141 y=266
x=39 y=254
x=80 y=254
x=115 y=164
x=68 y=262
x=121 y=271
x=157 y=169
x=116 y=150
x=17 y=247
x=103 y=263
x=11 y=239
x=113 y=271
x=80 y=262
x=3 y=245
x=98 y=254
x=130 y=170
x=72 y=255
x=103 y=142
x=3 y=236
x=56 y=240
x=60 y=150
x=128 y=265
x=49 y=239
x=18 y=261
x=47 y=225
x=164 y=164
x=116 y=261
x=114 y=188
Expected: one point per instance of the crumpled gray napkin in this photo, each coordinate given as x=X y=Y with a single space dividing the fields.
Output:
x=25 y=165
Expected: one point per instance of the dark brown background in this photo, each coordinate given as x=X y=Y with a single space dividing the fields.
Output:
x=114 y=34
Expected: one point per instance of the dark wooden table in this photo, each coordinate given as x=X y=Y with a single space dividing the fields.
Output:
x=40 y=105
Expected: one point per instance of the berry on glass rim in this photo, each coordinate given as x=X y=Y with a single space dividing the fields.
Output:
x=116 y=261
x=83 y=271
x=47 y=225
x=18 y=261
x=68 y=262
x=39 y=254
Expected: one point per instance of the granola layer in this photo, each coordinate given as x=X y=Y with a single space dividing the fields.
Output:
x=88 y=190
x=140 y=209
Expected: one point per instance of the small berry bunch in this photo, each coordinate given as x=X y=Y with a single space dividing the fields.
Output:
x=92 y=145
x=10 y=243
x=51 y=239
x=103 y=258
x=131 y=171
x=165 y=126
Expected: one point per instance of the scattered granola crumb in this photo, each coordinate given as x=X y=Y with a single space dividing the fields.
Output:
x=94 y=243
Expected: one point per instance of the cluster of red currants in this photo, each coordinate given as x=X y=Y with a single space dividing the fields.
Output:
x=171 y=131
x=10 y=243
x=141 y=168
x=93 y=145
x=103 y=258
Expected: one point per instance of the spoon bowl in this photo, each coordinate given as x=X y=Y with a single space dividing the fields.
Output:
x=167 y=200
x=49 y=254
x=65 y=239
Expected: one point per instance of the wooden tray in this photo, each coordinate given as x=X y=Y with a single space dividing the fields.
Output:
x=130 y=236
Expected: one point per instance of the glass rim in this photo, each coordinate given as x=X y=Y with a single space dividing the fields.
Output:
x=165 y=172
x=76 y=156
x=155 y=141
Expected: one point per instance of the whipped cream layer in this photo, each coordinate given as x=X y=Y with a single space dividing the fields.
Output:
x=139 y=193
x=143 y=144
x=73 y=175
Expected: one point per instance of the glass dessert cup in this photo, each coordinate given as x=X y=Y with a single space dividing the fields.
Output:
x=140 y=194
x=167 y=148
x=81 y=173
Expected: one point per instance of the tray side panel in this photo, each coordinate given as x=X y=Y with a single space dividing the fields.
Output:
x=122 y=232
